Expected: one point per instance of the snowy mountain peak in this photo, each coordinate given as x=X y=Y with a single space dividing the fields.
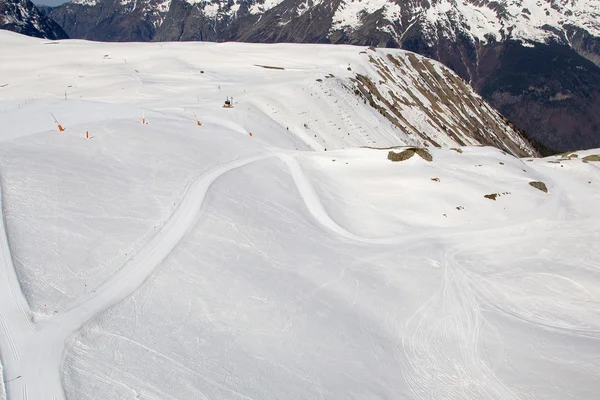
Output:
x=90 y=3
x=23 y=16
x=517 y=19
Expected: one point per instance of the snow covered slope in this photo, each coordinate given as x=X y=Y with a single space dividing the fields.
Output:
x=536 y=61
x=398 y=97
x=171 y=260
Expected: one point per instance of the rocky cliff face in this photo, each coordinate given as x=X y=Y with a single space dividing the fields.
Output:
x=494 y=45
x=428 y=101
x=22 y=16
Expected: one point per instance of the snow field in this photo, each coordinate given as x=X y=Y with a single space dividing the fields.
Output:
x=78 y=201
x=92 y=218
x=363 y=182
x=389 y=313
x=254 y=324
x=173 y=261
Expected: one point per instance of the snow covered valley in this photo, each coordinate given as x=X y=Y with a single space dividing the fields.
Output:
x=273 y=251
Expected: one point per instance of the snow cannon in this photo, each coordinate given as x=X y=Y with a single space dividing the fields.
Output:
x=60 y=128
x=197 y=120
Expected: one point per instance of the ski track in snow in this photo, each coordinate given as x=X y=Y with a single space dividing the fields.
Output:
x=37 y=350
x=33 y=353
x=440 y=354
x=431 y=347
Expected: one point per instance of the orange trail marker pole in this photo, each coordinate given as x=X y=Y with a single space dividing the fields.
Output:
x=197 y=120
x=60 y=128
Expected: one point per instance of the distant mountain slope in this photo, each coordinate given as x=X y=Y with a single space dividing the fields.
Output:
x=22 y=16
x=549 y=90
x=478 y=39
x=376 y=22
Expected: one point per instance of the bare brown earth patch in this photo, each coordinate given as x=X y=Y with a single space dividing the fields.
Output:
x=408 y=153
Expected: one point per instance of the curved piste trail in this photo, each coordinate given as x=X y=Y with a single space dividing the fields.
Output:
x=33 y=353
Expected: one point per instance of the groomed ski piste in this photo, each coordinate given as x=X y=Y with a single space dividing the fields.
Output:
x=171 y=260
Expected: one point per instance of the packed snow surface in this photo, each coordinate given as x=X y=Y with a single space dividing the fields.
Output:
x=171 y=260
